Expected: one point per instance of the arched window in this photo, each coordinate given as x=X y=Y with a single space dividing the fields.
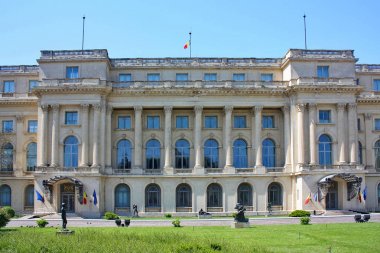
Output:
x=122 y=196
x=183 y=196
x=7 y=157
x=153 y=154
x=211 y=154
x=360 y=152
x=31 y=156
x=245 y=194
x=124 y=155
x=269 y=153
x=182 y=154
x=240 y=154
x=70 y=152
x=325 y=150
x=29 y=196
x=153 y=197
x=214 y=196
x=377 y=154
x=5 y=195
x=275 y=194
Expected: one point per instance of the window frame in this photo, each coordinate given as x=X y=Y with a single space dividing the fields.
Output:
x=70 y=75
x=210 y=119
x=150 y=75
x=265 y=122
x=126 y=118
x=237 y=121
x=376 y=126
x=181 y=123
x=207 y=77
x=376 y=85
x=321 y=118
x=9 y=86
x=182 y=74
x=30 y=127
x=125 y=75
x=264 y=75
x=32 y=86
x=323 y=71
x=156 y=120
x=5 y=128
x=68 y=121
x=237 y=77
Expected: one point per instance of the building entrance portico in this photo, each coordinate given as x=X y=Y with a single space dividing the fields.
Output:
x=68 y=196
x=331 y=199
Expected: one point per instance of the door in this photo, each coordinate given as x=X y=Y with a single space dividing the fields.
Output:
x=68 y=197
x=332 y=197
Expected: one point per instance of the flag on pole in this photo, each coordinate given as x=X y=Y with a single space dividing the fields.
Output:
x=315 y=197
x=84 y=198
x=40 y=197
x=186 y=45
x=360 y=196
x=307 y=200
x=365 y=193
x=95 y=198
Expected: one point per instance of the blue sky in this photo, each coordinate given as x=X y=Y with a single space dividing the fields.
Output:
x=221 y=28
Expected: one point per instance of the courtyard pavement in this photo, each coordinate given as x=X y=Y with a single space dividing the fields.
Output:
x=55 y=221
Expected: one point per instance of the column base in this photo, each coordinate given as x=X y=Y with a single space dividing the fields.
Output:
x=168 y=170
x=137 y=170
x=229 y=169
x=199 y=170
x=260 y=169
x=53 y=165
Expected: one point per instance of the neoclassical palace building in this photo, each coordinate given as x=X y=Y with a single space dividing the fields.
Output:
x=176 y=135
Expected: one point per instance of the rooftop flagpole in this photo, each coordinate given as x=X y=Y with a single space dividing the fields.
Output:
x=190 y=43
x=304 y=25
x=83 y=32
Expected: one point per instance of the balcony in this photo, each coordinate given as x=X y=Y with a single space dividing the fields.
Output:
x=20 y=69
x=274 y=169
x=71 y=82
x=152 y=171
x=344 y=167
x=183 y=171
x=315 y=81
x=121 y=171
x=213 y=170
x=73 y=54
x=6 y=172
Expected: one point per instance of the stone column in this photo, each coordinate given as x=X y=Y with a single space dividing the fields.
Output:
x=19 y=145
x=55 y=136
x=102 y=145
x=368 y=145
x=168 y=138
x=197 y=136
x=285 y=111
x=341 y=133
x=138 y=137
x=95 y=150
x=312 y=134
x=259 y=158
x=85 y=130
x=43 y=126
x=300 y=137
x=353 y=133
x=227 y=135
x=109 y=136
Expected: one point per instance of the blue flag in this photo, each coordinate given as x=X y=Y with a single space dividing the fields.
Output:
x=40 y=197
x=95 y=198
x=365 y=193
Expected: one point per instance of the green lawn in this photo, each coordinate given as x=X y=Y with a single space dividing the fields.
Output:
x=353 y=237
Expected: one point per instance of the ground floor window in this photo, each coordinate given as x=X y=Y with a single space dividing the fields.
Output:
x=275 y=194
x=245 y=194
x=152 y=196
x=5 y=195
x=183 y=195
x=214 y=196
x=29 y=196
x=122 y=196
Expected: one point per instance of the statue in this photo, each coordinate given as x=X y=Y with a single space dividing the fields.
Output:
x=135 y=211
x=240 y=213
x=63 y=216
x=269 y=207
x=201 y=212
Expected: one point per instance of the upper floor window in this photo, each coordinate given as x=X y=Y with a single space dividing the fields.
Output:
x=266 y=77
x=71 y=118
x=211 y=122
x=9 y=86
x=323 y=71
x=240 y=122
x=182 y=122
x=181 y=77
x=377 y=124
x=268 y=121
x=238 y=77
x=210 y=77
x=376 y=85
x=7 y=126
x=32 y=126
x=125 y=77
x=324 y=116
x=72 y=72
x=32 y=84
x=124 y=122
x=153 y=122
x=153 y=77
x=359 y=128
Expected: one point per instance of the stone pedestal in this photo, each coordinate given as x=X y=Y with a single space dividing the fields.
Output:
x=237 y=224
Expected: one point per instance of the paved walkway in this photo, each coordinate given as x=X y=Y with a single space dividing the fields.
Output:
x=80 y=222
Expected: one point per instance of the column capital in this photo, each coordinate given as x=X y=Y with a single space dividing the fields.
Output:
x=300 y=107
x=228 y=108
x=44 y=108
x=341 y=106
x=285 y=108
x=258 y=108
x=138 y=108
x=55 y=107
x=352 y=106
x=19 y=118
x=368 y=116
x=198 y=108
x=97 y=107
x=168 y=109
x=109 y=109
x=312 y=106
x=85 y=106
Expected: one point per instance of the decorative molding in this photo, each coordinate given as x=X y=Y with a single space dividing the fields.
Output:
x=285 y=108
x=55 y=107
x=368 y=116
x=312 y=106
x=168 y=109
x=352 y=106
x=258 y=109
x=85 y=107
x=228 y=109
x=138 y=108
x=341 y=106
x=44 y=108
x=198 y=108
x=19 y=118
x=97 y=107
x=300 y=107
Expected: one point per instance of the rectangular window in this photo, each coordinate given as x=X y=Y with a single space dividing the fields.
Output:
x=125 y=77
x=266 y=77
x=181 y=77
x=210 y=77
x=323 y=71
x=71 y=118
x=32 y=84
x=324 y=116
x=182 y=122
x=376 y=85
x=9 y=86
x=32 y=126
x=238 y=77
x=7 y=126
x=72 y=72
x=124 y=122
x=268 y=121
x=153 y=122
x=153 y=77
x=211 y=122
x=240 y=122
x=358 y=124
x=377 y=124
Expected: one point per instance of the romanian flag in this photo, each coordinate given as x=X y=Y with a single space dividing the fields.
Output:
x=307 y=200
x=360 y=196
x=84 y=198
x=186 y=45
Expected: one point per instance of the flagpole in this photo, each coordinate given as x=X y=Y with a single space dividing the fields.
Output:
x=190 y=43
x=304 y=25
x=83 y=32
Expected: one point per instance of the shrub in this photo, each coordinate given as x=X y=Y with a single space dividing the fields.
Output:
x=42 y=223
x=299 y=213
x=176 y=223
x=118 y=222
x=305 y=220
x=9 y=211
x=3 y=219
x=110 y=216
x=168 y=215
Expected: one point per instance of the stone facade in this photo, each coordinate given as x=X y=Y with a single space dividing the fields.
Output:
x=307 y=123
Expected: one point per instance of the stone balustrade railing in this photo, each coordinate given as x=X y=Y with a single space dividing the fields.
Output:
x=71 y=82
x=324 y=81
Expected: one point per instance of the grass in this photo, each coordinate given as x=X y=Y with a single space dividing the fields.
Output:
x=352 y=237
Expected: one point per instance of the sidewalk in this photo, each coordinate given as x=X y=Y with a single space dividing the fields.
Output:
x=80 y=222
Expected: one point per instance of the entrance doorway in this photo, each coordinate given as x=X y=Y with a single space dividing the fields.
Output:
x=332 y=197
x=68 y=197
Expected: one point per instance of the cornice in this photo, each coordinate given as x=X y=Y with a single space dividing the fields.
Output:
x=325 y=89
x=45 y=90
x=18 y=101
x=368 y=100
